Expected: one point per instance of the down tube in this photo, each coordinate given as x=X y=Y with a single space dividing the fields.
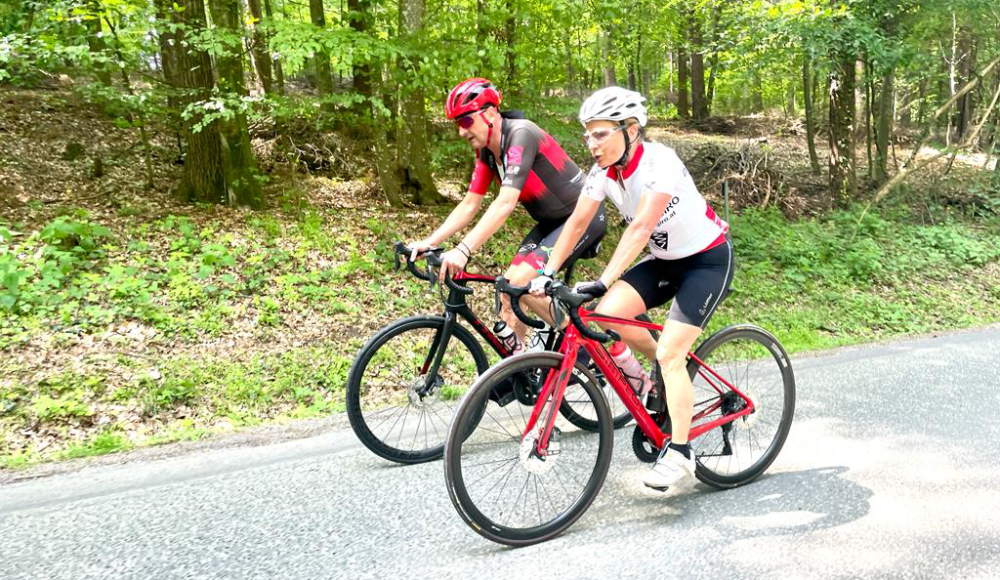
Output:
x=617 y=380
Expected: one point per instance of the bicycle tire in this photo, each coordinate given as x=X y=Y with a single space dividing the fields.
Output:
x=479 y=429
x=748 y=378
x=358 y=385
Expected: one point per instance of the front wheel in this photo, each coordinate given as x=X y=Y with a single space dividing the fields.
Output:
x=753 y=361
x=497 y=481
x=396 y=408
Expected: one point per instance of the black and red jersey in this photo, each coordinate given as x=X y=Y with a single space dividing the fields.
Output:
x=533 y=162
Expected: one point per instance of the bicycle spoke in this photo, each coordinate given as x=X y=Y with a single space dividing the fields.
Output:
x=503 y=463
x=518 y=498
x=390 y=383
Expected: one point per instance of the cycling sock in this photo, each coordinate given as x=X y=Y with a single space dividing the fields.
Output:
x=684 y=449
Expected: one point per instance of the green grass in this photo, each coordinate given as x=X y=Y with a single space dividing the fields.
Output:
x=294 y=384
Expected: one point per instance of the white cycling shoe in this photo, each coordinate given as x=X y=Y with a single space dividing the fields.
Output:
x=671 y=470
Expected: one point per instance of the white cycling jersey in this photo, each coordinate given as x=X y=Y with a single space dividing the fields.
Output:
x=688 y=226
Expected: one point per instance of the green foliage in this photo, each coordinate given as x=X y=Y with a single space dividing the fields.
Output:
x=823 y=282
x=34 y=273
x=47 y=409
x=102 y=444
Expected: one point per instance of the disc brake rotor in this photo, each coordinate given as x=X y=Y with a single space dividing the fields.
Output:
x=431 y=396
x=537 y=464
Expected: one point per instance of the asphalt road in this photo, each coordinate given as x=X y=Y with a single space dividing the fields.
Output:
x=891 y=471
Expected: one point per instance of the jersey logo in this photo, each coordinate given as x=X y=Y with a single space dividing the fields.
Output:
x=659 y=239
x=514 y=155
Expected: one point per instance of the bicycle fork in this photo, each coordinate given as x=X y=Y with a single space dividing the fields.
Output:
x=555 y=387
x=436 y=354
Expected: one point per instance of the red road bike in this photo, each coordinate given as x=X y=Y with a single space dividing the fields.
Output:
x=522 y=474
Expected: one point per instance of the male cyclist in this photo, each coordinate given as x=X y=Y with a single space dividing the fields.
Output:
x=532 y=169
x=690 y=257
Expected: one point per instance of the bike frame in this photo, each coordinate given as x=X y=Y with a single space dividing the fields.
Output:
x=456 y=307
x=558 y=379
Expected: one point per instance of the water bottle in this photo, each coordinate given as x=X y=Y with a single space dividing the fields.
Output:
x=507 y=337
x=626 y=361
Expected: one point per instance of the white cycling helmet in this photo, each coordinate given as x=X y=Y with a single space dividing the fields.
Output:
x=613 y=104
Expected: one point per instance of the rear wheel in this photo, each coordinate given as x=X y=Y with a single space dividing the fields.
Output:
x=753 y=361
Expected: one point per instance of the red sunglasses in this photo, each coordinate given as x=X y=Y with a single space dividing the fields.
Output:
x=465 y=121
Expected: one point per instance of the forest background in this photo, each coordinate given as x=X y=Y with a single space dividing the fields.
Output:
x=198 y=197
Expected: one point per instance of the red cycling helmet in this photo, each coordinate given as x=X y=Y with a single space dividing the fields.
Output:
x=471 y=95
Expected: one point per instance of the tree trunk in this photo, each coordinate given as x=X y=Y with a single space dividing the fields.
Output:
x=242 y=174
x=683 y=108
x=167 y=41
x=699 y=107
x=258 y=46
x=902 y=110
x=883 y=133
x=966 y=68
x=510 y=55
x=952 y=72
x=756 y=93
x=713 y=60
x=790 y=108
x=637 y=69
x=843 y=172
x=362 y=73
x=204 y=177
x=412 y=159
x=869 y=98
x=670 y=68
x=607 y=59
x=807 y=99
x=321 y=60
x=996 y=167
x=480 y=36
x=279 y=75
x=97 y=46
x=570 y=67
x=922 y=102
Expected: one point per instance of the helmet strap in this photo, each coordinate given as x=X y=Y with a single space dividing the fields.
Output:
x=623 y=160
x=489 y=133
